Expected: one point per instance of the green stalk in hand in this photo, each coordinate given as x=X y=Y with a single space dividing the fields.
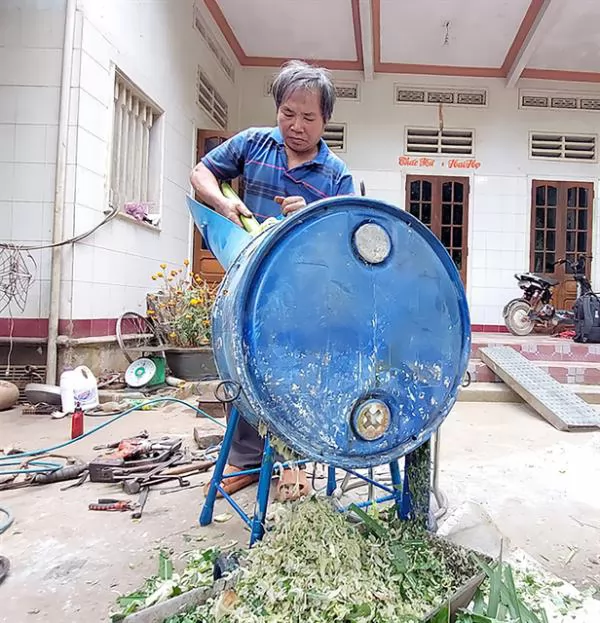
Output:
x=251 y=225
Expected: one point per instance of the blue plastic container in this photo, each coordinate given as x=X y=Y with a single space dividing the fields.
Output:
x=320 y=317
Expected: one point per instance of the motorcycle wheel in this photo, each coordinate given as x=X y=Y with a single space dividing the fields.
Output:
x=509 y=305
x=517 y=318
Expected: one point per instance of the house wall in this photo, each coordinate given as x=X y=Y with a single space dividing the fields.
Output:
x=500 y=189
x=31 y=36
x=156 y=45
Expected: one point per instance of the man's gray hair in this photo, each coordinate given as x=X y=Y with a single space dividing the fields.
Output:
x=298 y=75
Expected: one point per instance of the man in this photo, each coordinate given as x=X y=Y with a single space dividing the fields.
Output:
x=283 y=169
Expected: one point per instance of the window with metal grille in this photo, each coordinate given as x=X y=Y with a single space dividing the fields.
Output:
x=436 y=142
x=335 y=136
x=562 y=146
x=451 y=97
x=343 y=90
x=211 y=101
x=136 y=149
x=559 y=101
x=223 y=59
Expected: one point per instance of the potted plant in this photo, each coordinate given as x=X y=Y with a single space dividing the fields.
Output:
x=181 y=312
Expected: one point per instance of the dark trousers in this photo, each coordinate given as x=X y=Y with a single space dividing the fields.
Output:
x=247 y=446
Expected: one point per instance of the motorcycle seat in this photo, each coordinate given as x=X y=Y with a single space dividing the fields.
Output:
x=539 y=278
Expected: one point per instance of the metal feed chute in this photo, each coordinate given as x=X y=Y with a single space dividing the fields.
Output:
x=345 y=328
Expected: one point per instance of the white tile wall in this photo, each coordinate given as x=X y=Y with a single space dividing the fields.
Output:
x=5 y=215
x=7 y=174
x=95 y=78
x=8 y=104
x=30 y=143
x=42 y=26
x=92 y=152
x=7 y=141
x=28 y=220
x=94 y=116
x=44 y=295
x=157 y=48
x=90 y=188
x=37 y=104
x=20 y=66
x=31 y=37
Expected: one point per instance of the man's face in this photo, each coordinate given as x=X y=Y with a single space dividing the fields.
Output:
x=300 y=120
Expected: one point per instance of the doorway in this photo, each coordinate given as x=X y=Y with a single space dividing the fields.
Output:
x=204 y=262
x=561 y=227
x=442 y=204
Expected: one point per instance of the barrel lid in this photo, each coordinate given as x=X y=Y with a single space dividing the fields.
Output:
x=356 y=332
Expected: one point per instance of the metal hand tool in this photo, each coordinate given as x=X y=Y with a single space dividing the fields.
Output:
x=137 y=513
x=108 y=504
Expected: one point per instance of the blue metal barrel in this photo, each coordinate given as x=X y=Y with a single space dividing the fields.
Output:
x=347 y=327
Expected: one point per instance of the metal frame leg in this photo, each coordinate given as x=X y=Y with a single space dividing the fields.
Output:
x=257 y=529
x=331 y=482
x=397 y=487
x=206 y=514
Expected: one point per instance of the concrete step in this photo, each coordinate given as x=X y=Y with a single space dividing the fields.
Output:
x=500 y=392
x=539 y=348
x=569 y=372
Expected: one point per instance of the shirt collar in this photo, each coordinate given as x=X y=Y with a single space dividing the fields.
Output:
x=321 y=156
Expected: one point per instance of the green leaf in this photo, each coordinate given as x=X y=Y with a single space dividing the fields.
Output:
x=400 y=558
x=359 y=611
x=373 y=525
x=495 y=587
x=479 y=605
x=442 y=616
x=165 y=567
x=126 y=600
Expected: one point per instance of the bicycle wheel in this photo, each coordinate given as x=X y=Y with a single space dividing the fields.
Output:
x=136 y=335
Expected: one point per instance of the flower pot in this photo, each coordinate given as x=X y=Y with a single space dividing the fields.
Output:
x=191 y=364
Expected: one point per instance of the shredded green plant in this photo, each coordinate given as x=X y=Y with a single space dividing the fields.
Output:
x=279 y=446
x=167 y=583
x=317 y=567
x=418 y=474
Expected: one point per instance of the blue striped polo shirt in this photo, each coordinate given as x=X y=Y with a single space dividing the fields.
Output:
x=258 y=155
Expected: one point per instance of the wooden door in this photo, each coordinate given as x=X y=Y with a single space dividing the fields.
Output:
x=561 y=227
x=442 y=204
x=204 y=262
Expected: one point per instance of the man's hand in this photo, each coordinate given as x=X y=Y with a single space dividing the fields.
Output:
x=290 y=204
x=207 y=187
x=232 y=208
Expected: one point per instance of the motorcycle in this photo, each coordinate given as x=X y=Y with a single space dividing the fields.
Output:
x=533 y=309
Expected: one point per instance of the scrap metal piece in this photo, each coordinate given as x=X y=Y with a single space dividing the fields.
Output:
x=554 y=401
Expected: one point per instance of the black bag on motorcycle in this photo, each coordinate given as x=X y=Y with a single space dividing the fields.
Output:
x=586 y=315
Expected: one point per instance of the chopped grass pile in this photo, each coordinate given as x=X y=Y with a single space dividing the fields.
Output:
x=317 y=567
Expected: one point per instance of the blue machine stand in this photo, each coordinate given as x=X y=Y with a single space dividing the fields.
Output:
x=410 y=493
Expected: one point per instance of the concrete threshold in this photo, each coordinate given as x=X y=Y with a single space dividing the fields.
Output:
x=500 y=392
